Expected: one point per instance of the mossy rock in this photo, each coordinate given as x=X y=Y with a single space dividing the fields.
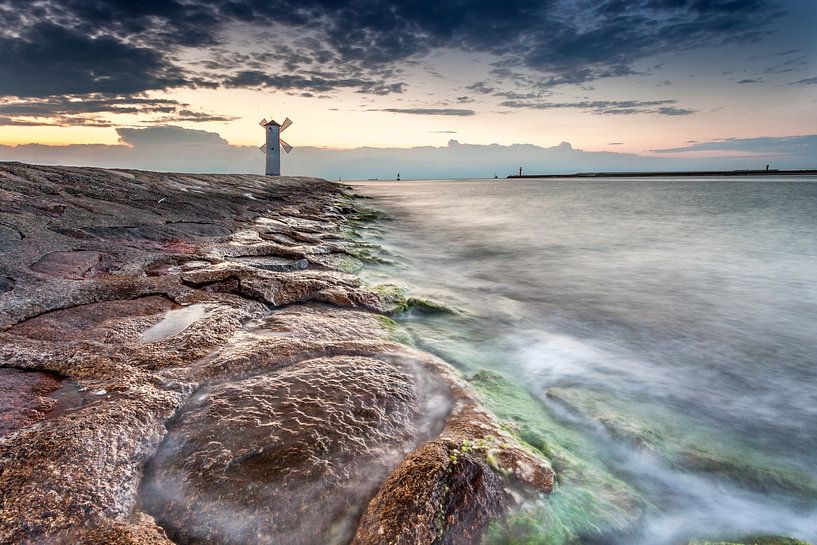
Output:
x=350 y=232
x=396 y=333
x=361 y=219
x=395 y=301
x=368 y=253
x=587 y=500
x=429 y=306
x=338 y=262
x=686 y=445
x=366 y=214
x=392 y=297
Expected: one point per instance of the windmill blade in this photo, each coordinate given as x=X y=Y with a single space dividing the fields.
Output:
x=287 y=122
x=263 y=149
x=287 y=147
x=263 y=122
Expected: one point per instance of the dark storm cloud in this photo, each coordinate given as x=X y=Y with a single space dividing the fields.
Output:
x=569 y=42
x=803 y=145
x=606 y=107
x=519 y=80
x=427 y=111
x=169 y=135
x=288 y=82
x=84 y=110
x=13 y=122
x=195 y=117
x=48 y=59
x=481 y=87
x=672 y=110
x=87 y=104
x=515 y=95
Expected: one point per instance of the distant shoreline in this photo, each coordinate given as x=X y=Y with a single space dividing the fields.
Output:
x=774 y=172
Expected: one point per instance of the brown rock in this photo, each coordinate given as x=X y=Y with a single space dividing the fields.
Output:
x=24 y=398
x=104 y=322
x=249 y=461
x=73 y=264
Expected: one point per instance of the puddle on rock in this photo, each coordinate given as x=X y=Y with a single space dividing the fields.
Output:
x=108 y=321
x=26 y=397
x=174 y=322
x=70 y=397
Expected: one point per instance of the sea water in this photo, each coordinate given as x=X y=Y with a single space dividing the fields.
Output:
x=657 y=318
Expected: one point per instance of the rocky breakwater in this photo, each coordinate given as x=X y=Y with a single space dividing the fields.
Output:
x=186 y=359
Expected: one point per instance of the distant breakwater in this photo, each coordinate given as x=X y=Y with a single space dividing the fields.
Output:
x=670 y=174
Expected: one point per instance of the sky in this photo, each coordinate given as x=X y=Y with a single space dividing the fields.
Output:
x=432 y=89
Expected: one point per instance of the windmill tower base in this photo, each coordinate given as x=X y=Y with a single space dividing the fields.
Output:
x=273 y=166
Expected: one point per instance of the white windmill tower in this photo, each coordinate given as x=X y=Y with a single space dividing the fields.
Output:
x=274 y=144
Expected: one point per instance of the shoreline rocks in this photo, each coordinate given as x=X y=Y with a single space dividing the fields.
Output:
x=228 y=374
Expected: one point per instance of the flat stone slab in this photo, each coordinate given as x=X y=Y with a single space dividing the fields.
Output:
x=161 y=233
x=279 y=264
x=67 y=264
x=105 y=322
x=8 y=235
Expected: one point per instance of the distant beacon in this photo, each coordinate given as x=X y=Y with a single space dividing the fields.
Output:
x=274 y=144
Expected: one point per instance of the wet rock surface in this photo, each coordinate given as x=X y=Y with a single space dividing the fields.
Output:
x=8 y=235
x=320 y=432
x=6 y=284
x=102 y=322
x=74 y=264
x=25 y=398
x=194 y=364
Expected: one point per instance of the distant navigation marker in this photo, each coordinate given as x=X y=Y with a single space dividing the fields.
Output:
x=274 y=144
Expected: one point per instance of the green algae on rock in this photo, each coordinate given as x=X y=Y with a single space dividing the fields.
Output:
x=395 y=300
x=448 y=490
x=396 y=332
x=682 y=444
x=427 y=305
x=586 y=500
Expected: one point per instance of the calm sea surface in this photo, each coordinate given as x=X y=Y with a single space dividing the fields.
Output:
x=694 y=296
